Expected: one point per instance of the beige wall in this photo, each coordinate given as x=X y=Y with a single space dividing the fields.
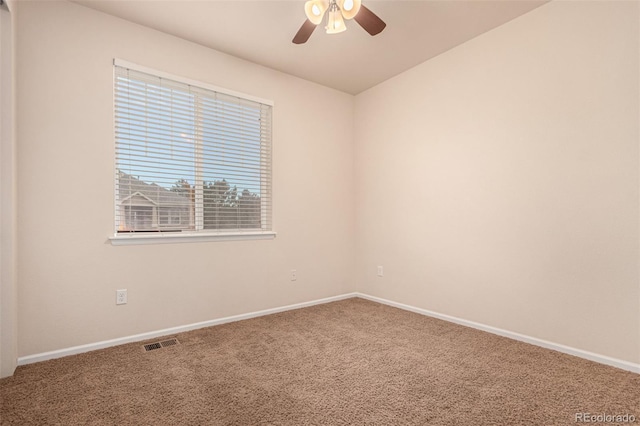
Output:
x=8 y=204
x=68 y=270
x=498 y=182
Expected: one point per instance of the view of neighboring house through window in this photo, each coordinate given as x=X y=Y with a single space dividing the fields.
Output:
x=189 y=158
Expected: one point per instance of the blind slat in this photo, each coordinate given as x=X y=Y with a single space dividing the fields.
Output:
x=189 y=158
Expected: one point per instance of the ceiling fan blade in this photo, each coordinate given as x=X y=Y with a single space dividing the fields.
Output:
x=369 y=21
x=304 y=32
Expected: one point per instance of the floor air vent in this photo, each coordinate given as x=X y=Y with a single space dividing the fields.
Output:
x=158 y=345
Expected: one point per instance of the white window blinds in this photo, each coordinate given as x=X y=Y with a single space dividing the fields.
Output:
x=189 y=159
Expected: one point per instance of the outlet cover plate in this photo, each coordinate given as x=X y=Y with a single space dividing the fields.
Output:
x=121 y=297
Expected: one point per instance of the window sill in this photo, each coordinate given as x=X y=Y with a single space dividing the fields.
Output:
x=137 y=239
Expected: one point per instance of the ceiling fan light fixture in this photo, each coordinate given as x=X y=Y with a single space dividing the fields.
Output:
x=349 y=8
x=335 y=23
x=314 y=9
x=337 y=11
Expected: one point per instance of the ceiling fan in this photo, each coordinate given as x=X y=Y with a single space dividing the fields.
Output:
x=338 y=11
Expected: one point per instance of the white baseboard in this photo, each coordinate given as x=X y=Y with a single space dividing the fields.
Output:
x=602 y=359
x=29 y=359
x=624 y=365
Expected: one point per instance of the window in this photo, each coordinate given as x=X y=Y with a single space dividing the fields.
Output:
x=190 y=159
x=173 y=216
x=139 y=217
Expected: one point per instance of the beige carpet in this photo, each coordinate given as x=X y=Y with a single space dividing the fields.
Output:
x=352 y=362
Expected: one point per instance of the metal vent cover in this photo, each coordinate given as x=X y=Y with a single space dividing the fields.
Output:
x=158 y=345
x=152 y=346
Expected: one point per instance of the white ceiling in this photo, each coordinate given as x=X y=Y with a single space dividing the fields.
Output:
x=260 y=31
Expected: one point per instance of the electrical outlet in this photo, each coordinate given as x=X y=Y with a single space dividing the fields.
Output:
x=380 y=271
x=294 y=275
x=121 y=297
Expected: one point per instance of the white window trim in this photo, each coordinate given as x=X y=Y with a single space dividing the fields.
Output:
x=126 y=239
x=130 y=239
